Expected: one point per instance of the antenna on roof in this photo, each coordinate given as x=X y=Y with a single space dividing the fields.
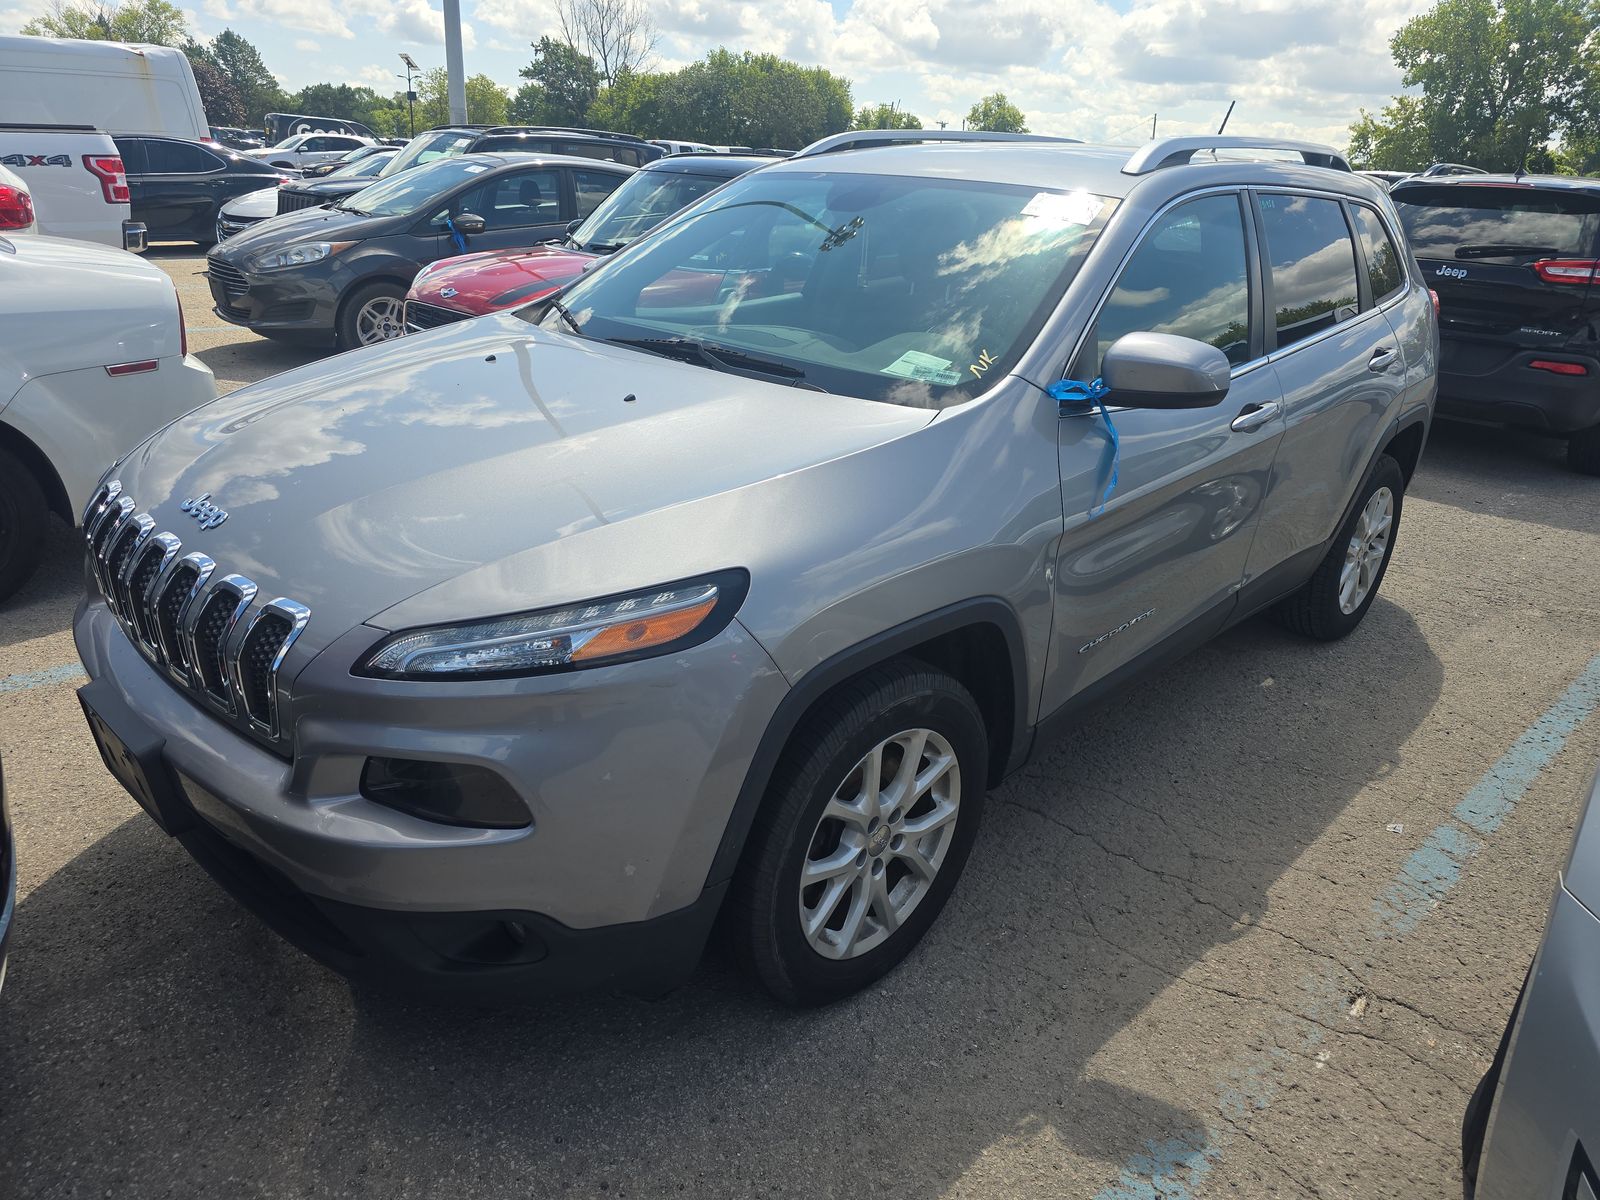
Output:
x=1225 y=117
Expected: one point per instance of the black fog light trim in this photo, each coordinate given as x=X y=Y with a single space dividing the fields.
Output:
x=449 y=793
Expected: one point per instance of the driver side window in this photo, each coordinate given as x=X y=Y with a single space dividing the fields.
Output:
x=1189 y=276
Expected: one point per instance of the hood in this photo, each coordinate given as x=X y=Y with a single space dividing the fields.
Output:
x=304 y=225
x=332 y=189
x=353 y=484
x=257 y=205
x=492 y=280
x=89 y=306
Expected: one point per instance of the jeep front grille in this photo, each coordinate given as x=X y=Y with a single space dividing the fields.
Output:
x=205 y=631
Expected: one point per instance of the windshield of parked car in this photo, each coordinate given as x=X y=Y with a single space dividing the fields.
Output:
x=917 y=291
x=289 y=143
x=359 y=168
x=1497 y=221
x=427 y=147
x=639 y=205
x=403 y=195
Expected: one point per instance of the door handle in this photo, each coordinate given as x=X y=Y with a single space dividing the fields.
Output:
x=1381 y=358
x=1254 y=417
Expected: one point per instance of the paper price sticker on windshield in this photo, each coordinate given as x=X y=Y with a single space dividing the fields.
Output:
x=1074 y=208
x=926 y=368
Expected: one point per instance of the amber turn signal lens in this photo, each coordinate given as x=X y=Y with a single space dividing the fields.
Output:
x=644 y=633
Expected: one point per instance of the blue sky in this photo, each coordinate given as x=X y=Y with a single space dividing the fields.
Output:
x=1095 y=69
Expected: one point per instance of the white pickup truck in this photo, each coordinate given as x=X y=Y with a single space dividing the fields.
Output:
x=77 y=180
x=93 y=360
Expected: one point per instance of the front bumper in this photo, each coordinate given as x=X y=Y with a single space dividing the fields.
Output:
x=630 y=781
x=1544 y=1131
x=1478 y=383
x=301 y=302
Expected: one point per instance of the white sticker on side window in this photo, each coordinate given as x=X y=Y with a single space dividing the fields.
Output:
x=1073 y=208
x=927 y=368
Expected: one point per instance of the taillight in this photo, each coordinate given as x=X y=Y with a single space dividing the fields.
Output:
x=16 y=208
x=1558 y=368
x=108 y=169
x=1567 y=270
x=1435 y=296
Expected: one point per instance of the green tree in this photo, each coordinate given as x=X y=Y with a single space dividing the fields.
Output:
x=997 y=114
x=563 y=84
x=1394 y=140
x=487 y=101
x=258 y=89
x=154 y=21
x=217 y=94
x=1498 y=80
x=334 y=100
x=885 y=116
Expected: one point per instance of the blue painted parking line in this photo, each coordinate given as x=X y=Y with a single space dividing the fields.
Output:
x=65 y=673
x=1173 y=1168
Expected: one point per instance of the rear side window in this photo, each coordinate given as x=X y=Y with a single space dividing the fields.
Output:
x=593 y=187
x=599 y=150
x=180 y=158
x=134 y=159
x=1313 y=265
x=1384 y=270
x=1188 y=277
x=1502 y=222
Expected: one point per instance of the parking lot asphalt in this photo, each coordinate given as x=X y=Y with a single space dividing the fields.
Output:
x=1251 y=931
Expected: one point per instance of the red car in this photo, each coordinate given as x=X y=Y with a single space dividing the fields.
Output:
x=454 y=289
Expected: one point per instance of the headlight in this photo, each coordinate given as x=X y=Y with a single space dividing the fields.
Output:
x=617 y=629
x=299 y=255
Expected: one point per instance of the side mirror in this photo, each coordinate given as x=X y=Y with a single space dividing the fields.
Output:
x=470 y=223
x=572 y=226
x=1162 y=370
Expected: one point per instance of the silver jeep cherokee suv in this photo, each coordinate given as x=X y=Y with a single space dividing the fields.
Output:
x=506 y=658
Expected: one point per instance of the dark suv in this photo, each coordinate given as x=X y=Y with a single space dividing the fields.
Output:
x=177 y=187
x=1513 y=260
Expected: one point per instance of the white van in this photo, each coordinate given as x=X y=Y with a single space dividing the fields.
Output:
x=120 y=88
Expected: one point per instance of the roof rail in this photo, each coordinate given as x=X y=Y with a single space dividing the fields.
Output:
x=1176 y=151
x=860 y=138
x=601 y=133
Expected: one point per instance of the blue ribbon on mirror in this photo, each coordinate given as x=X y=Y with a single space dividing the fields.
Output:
x=1071 y=391
x=455 y=234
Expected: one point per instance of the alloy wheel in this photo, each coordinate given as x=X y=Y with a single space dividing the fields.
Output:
x=879 y=843
x=380 y=319
x=1363 y=557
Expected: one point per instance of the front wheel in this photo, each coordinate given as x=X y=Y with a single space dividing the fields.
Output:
x=1334 y=600
x=372 y=314
x=23 y=513
x=865 y=828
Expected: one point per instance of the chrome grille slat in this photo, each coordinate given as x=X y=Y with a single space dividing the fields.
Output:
x=230 y=277
x=202 y=634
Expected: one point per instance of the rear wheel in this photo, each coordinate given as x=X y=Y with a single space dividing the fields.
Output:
x=866 y=826
x=23 y=513
x=1334 y=600
x=1583 y=451
x=372 y=314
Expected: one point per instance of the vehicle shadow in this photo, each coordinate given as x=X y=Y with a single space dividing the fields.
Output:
x=1521 y=476
x=44 y=604
x=158 y=1041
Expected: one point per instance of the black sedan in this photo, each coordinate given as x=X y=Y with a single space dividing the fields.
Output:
x=177 y=188
x=340 y=274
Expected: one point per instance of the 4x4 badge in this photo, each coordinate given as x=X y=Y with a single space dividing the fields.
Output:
x=207 y=514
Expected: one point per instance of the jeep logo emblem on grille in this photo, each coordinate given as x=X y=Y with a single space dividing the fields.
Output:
x=205 y=513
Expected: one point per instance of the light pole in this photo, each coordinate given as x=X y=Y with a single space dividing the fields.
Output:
x=411 y=96
x=456 y=73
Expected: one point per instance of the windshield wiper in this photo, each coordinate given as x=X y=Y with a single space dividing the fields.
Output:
x=566 y=315
x=1497 y=249
x=355 y=212
x=718 y=358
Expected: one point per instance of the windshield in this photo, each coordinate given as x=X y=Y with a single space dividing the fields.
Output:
x=908 y=290
x=367 y=164
x=639 y=205
x=289 y=143
x=406 y=194
x=1457 y=221
x=427 y=148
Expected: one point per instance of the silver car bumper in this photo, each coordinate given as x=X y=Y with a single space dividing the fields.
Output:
x=630 y=774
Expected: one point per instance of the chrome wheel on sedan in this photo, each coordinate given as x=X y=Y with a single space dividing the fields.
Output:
x=1365 y=552
x=380 y=319
x=880 y=843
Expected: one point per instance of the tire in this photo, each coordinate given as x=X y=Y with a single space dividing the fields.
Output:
x=826 y=755
x=23 y=514
x=1583 y=451
x=350 y=324
x=1475 y=1121
x=1318 y=610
